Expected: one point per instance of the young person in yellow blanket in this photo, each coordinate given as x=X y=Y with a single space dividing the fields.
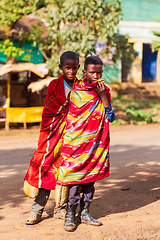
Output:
x=42 y=171
x=85 y=149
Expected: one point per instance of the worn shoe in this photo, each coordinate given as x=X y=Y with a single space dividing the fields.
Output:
x=86 y=217
x=34 y=218
x=69 y=224
x=59 y=213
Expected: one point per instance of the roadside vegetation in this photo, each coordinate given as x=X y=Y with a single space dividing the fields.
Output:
x=131 y=111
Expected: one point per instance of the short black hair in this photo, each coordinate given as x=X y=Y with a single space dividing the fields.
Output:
x=95 y=60
x=68 y=55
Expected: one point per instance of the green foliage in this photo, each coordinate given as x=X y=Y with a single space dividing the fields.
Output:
x=7 y=48
x=41 y=4
x=11 y=11
x=135 y=116
x=116 y=122
x=72 y=25
x=121 y=103
x=78 y=25
x=124 y=50
x=156 y=44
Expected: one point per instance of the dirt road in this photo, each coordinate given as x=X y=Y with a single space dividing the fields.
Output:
x=127 y=202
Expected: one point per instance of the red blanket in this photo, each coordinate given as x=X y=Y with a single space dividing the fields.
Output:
x=85 y=149
x=42 y=171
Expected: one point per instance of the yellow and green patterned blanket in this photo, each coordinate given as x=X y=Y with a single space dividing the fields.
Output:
x=85 y=150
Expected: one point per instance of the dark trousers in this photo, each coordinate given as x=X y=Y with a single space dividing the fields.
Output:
x=40 y=201
x=74 y=193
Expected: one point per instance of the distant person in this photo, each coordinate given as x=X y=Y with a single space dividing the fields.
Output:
x=42 y=171
x=85 y=150
x=3 y=104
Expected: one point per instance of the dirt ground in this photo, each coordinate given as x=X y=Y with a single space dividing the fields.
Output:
x=127 y=202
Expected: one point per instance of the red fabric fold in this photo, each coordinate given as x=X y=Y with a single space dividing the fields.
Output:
x=42 y=171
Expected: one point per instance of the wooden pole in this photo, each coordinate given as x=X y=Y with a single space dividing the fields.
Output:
x=137 y=63
x=158 y=66
x=9 y=88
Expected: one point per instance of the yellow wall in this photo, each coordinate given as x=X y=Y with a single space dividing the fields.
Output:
x=24 y=115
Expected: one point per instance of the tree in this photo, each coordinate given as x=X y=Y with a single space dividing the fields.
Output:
x=78 y=25
x=11 y=11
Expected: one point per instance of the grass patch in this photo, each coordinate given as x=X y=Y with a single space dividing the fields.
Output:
x=135 y=116
x=116 y=122
x=133 y=110
x=122 y=103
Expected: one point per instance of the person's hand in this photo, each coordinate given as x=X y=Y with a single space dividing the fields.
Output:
x=100 y=88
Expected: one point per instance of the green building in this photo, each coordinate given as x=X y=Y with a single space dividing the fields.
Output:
x=138 y=22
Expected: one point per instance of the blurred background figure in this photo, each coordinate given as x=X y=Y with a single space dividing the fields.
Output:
x=3 y=104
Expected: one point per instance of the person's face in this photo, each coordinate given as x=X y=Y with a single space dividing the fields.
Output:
x=69 y=68
x=93 y=73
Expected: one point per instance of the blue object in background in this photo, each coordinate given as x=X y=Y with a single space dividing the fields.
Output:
x=149 y=64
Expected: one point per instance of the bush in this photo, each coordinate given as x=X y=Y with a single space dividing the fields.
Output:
x=134 y=115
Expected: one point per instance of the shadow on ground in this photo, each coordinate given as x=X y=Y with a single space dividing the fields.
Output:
x=133 y=183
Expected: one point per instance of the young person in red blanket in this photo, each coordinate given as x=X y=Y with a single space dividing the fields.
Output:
x=85 y=150
x=42 y=171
